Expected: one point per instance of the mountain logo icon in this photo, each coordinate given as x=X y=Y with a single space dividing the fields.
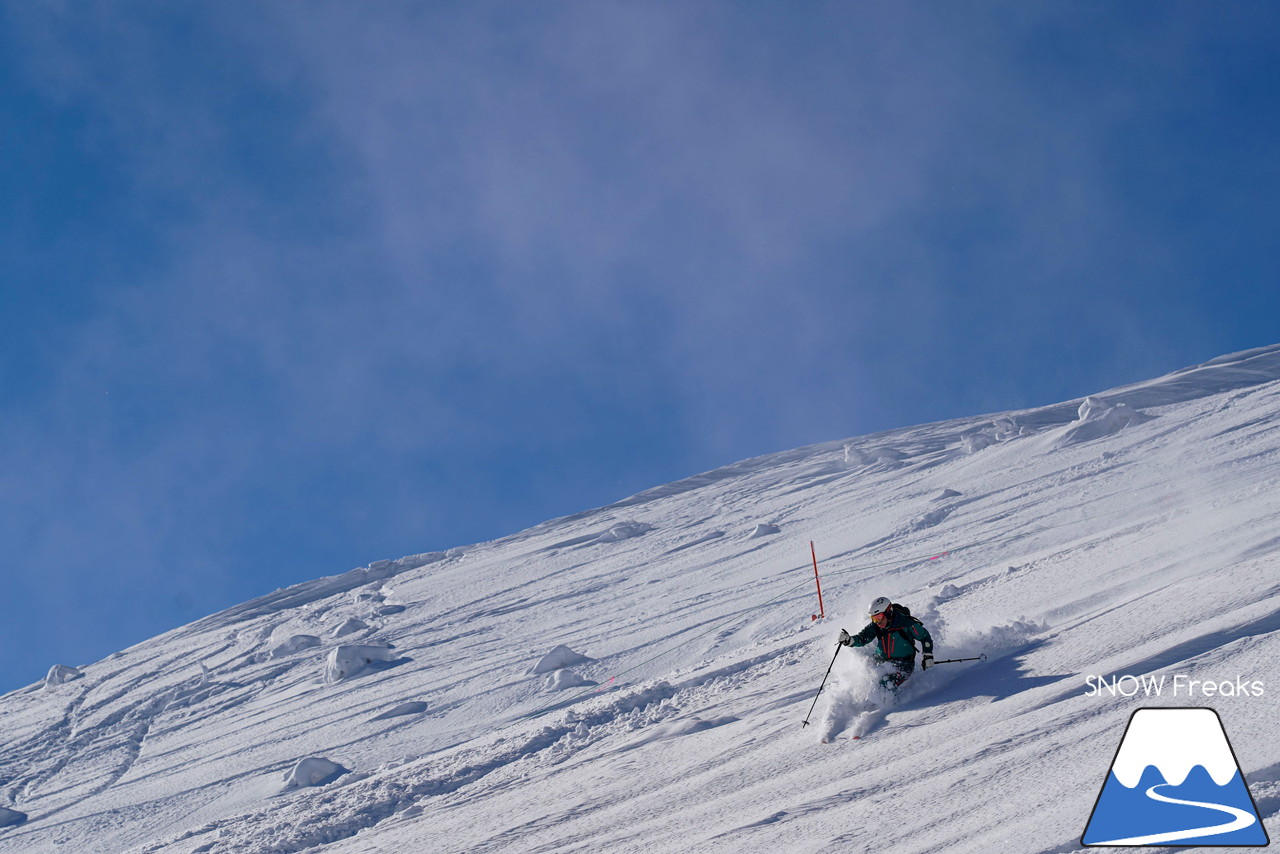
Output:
x=1175 y=782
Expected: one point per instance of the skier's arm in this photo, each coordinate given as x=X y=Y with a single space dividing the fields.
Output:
x=864 y=637
x=922 y=634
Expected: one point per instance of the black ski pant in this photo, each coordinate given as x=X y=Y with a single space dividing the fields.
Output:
x=902 y=670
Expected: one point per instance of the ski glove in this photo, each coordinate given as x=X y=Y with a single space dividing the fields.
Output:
x=845 y=637
x=926 y=661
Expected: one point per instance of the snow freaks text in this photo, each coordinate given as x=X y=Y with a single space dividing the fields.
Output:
x=1178 y=685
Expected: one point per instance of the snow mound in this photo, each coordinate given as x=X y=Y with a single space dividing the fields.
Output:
x=697 y=724
x=348 y=660
x=946 y=494
x=11 y=818
x=948 y=591
x=931 y=519
x=994 y=433
x=295 y=644
x=312 y=771
x=348 y=627
x=414 y=707
x=868 y=456
x=1000 y=430
x=1007 y=428
x=623 y=531
x=764 y=529
x=61 y=673
x=1098 y=418
x=974 y=442
x=558 y=659
x=564 y=679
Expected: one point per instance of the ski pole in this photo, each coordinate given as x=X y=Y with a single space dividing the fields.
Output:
x=820 y=687
x=982 y=657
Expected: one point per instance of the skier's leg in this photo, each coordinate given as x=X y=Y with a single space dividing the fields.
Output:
x=902 y=670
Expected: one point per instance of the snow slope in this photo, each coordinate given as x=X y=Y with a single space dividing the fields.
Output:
x=1133 y=533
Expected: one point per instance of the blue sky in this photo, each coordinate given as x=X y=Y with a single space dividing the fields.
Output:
x=288 y=288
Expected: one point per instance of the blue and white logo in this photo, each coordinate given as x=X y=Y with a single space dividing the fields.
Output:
x=1175 y=781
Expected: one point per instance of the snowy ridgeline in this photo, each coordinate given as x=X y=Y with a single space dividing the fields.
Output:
x=1095 y=418
x=1128 y=532
x=349 y=660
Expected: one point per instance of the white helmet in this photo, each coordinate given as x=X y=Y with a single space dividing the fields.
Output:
x=878 y=606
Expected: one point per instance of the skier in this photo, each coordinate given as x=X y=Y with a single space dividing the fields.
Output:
x=892 y=628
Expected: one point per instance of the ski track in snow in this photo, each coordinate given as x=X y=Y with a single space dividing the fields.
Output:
x=1065 y=546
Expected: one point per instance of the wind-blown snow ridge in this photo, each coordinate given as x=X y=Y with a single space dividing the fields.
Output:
x=300 y=595
x=1061 y=541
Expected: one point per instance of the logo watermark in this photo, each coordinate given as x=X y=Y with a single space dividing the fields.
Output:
x=1178 y=685
x=1175 y=781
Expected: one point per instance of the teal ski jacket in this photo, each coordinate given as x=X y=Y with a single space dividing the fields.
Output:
x=895 y=640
